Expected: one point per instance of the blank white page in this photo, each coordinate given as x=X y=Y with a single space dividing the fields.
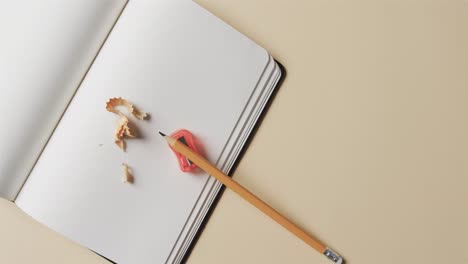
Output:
x=187 y=69
x=46 y=48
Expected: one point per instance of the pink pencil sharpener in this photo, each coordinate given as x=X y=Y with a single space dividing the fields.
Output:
x=189 y=140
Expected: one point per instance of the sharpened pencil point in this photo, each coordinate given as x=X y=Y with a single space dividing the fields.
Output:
x=162 y=134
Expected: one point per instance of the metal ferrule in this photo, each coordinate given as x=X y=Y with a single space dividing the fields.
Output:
x=333 y=256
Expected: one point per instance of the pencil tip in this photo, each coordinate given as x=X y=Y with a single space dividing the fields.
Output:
x=162 y=134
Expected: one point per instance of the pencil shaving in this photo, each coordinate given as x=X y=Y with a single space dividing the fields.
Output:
x=113 y=103
x=124 y=127
x=123 y=130
x=128 y=176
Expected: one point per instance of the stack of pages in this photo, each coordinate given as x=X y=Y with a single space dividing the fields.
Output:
x=62 y=61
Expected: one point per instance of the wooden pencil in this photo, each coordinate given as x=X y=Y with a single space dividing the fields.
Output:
x=230 y=183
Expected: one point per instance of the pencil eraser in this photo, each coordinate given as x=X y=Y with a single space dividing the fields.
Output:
x=189 y=140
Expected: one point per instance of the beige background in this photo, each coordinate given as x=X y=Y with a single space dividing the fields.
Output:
x=377 y=97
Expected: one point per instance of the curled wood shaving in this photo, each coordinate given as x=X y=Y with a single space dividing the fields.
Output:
x=128 y=176
x=123 y=130
x=113 y=103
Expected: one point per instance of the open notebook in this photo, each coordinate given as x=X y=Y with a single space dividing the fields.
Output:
x=60 y=61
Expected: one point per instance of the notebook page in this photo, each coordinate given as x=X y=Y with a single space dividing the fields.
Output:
x=45 y=49
x=188 y=70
